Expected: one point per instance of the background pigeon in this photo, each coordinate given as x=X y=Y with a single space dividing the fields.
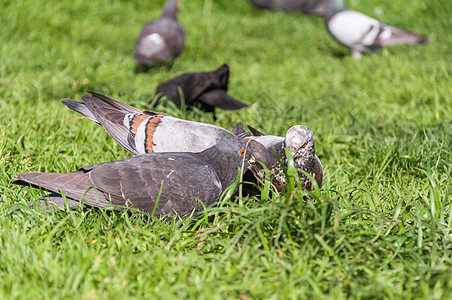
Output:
x=207 y=89
x=171 y=183
x=311 y=7
x=160 y=40
x=361 y=33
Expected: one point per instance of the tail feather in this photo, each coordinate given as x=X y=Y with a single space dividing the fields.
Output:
x=111 y=115
x=114 y=103
x=55 y=201
x=399 y=36
x=219 y=98
x=75 y=185
x=79 y=107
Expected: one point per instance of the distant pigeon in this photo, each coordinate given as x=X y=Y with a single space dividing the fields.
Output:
x=142 y=132
x=310 y=7
x=166 y=183
x=207 y=89
x=300 y=140
x=160 y=40
x=361 y=33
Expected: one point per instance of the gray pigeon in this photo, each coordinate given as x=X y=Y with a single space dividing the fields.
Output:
x=160 y=40
x=310 y=7
x=206 y=89
x=361 y=33
x=301 y=142
x=164 y=183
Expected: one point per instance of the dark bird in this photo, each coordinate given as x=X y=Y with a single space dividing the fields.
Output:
x=310 y=7
x=160 y=40
x=361 y=33
x=204 y=89
x=160 y=183
x=301 y=142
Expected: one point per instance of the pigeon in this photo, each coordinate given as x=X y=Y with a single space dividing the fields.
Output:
x=170 y=183
x=160 y=40
x=301 y=142
x=361 y=33
x=206 y=89
x=142 y=132
x=310 y=7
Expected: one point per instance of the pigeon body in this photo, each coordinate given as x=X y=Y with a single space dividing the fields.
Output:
x=311 y=7
x=208 y=89
x=142 y=132
x=361 y=33
x=169 y=183
x=160 y=40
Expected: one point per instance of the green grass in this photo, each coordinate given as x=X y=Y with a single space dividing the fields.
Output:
x=379 y=228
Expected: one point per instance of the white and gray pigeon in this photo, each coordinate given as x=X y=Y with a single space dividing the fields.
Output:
x=141 y=132
x=361 y=33
x=160 y=40
x=310 y=7
x=164 y=183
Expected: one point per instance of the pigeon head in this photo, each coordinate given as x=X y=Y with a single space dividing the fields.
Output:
x=300 y=140
x=170 y=9
x=227 y=158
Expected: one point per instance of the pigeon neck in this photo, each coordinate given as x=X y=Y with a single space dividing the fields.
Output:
x=279 y=150
x=305 y=163
x=223 y=163
x=333 y=8
x=170 y=14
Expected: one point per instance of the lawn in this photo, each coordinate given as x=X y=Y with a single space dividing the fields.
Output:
x=380 y=227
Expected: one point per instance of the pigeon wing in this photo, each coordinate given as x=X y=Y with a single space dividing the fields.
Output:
x=318 y=172
x=170 y=182
x=75 y=185
x=202 y=82
x=79 y=107
x=390 y=36
x=220 y=98
x=176 y=135
x=142 y=132
x=238 y=129
x=130 y=127
x=170 y=88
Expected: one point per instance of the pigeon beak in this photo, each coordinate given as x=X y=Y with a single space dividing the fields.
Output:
x=178 y=5
x=252 y=166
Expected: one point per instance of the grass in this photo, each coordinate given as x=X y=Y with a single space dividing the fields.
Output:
x=379 y=227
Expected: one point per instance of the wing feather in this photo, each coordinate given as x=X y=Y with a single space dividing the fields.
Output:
x=182 y=178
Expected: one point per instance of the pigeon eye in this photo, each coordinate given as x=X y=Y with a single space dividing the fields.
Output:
x=304 y=145
x=241 y=152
